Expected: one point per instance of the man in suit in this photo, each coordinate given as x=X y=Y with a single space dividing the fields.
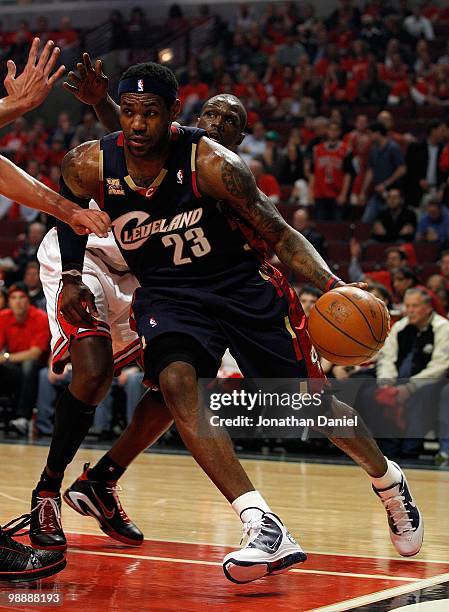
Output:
x=423 y=172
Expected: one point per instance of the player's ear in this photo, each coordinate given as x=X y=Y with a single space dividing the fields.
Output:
x=240 y=139
x=175 y=110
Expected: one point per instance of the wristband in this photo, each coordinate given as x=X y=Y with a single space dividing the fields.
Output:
x=71 y=273
x=7 y=356
x=332 y=282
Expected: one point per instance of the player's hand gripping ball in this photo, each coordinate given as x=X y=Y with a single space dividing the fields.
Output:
x=348 y=325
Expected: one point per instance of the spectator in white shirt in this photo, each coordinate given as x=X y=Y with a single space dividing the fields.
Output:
x=419 y=26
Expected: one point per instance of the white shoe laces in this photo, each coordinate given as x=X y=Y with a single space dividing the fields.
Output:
x=48 y=520
x=113 y=490
x=399 y=514
x=250 y=531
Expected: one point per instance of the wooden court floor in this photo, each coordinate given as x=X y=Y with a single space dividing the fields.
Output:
x=189 y=527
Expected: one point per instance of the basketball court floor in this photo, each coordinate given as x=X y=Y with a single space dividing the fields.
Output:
x=189 y=527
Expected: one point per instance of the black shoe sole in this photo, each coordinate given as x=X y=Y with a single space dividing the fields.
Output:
x=37 y=574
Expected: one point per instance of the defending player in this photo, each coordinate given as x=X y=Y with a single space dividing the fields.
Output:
x=202 y=290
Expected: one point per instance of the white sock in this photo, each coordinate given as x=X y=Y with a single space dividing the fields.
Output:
x=392 y=476
x=250 y=506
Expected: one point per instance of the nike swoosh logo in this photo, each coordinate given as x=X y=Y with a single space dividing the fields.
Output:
x=108 y=513
x=273 y=546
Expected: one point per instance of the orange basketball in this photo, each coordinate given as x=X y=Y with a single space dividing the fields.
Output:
x=348 y=325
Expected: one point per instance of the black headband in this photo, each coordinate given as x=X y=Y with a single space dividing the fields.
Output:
x=148 y=85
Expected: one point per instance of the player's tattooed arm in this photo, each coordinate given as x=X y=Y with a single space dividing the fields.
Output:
x=224 y=176
x=80 y=170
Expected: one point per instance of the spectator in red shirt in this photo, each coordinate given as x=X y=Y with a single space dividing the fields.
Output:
x=24 y=340
x=193 y=93
x=35 y=149
x=267 y=183
x=359 y=141
x=252 y=89
x=16 y=138
x=331 y=177
x=338 y=88
x=57 y=152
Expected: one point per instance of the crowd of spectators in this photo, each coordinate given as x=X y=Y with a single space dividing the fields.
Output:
x=301 y=78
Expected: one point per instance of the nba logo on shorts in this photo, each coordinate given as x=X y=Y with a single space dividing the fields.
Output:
x=140 y=85
x=180 y=177
x=153 y=322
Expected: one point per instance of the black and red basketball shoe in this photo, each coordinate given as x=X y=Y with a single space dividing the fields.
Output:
x=45 y=521
x=101 y=501
x=20 y=563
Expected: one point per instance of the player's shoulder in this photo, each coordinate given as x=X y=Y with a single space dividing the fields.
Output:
x=85 y=152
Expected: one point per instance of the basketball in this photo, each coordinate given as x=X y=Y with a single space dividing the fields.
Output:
x=348 y=325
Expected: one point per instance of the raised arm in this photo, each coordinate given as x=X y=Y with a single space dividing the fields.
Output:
x=90 y=86
x=32 y=86
x=224 y=176
x=26 y=92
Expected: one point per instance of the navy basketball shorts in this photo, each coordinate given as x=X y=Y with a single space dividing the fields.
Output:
x=259 y=318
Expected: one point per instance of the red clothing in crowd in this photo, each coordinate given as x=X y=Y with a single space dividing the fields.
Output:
x=65 y=38
x=444 y=159
x=334 y=93
x=201 y=90
x=360 y=145
x=33 y=332
x=268 y=185
x=328 y=165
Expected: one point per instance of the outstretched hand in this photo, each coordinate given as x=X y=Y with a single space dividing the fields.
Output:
x=84 y=221
x=36 y=81
x=90 y=85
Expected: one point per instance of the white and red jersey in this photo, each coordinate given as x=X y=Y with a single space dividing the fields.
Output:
x=329 y=168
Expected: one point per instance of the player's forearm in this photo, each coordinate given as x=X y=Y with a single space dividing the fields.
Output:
x=296 y=252
x=19 y=186
x=11 y=109
x=108 y=113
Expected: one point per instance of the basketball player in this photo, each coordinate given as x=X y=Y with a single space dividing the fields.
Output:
x=20 y=563
x=203 y=288
x=107 y=276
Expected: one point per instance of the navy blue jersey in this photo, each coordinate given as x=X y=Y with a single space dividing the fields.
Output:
x=167 y=233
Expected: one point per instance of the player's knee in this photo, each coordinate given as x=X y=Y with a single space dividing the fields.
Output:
x=178 y=383
x=94 y=381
